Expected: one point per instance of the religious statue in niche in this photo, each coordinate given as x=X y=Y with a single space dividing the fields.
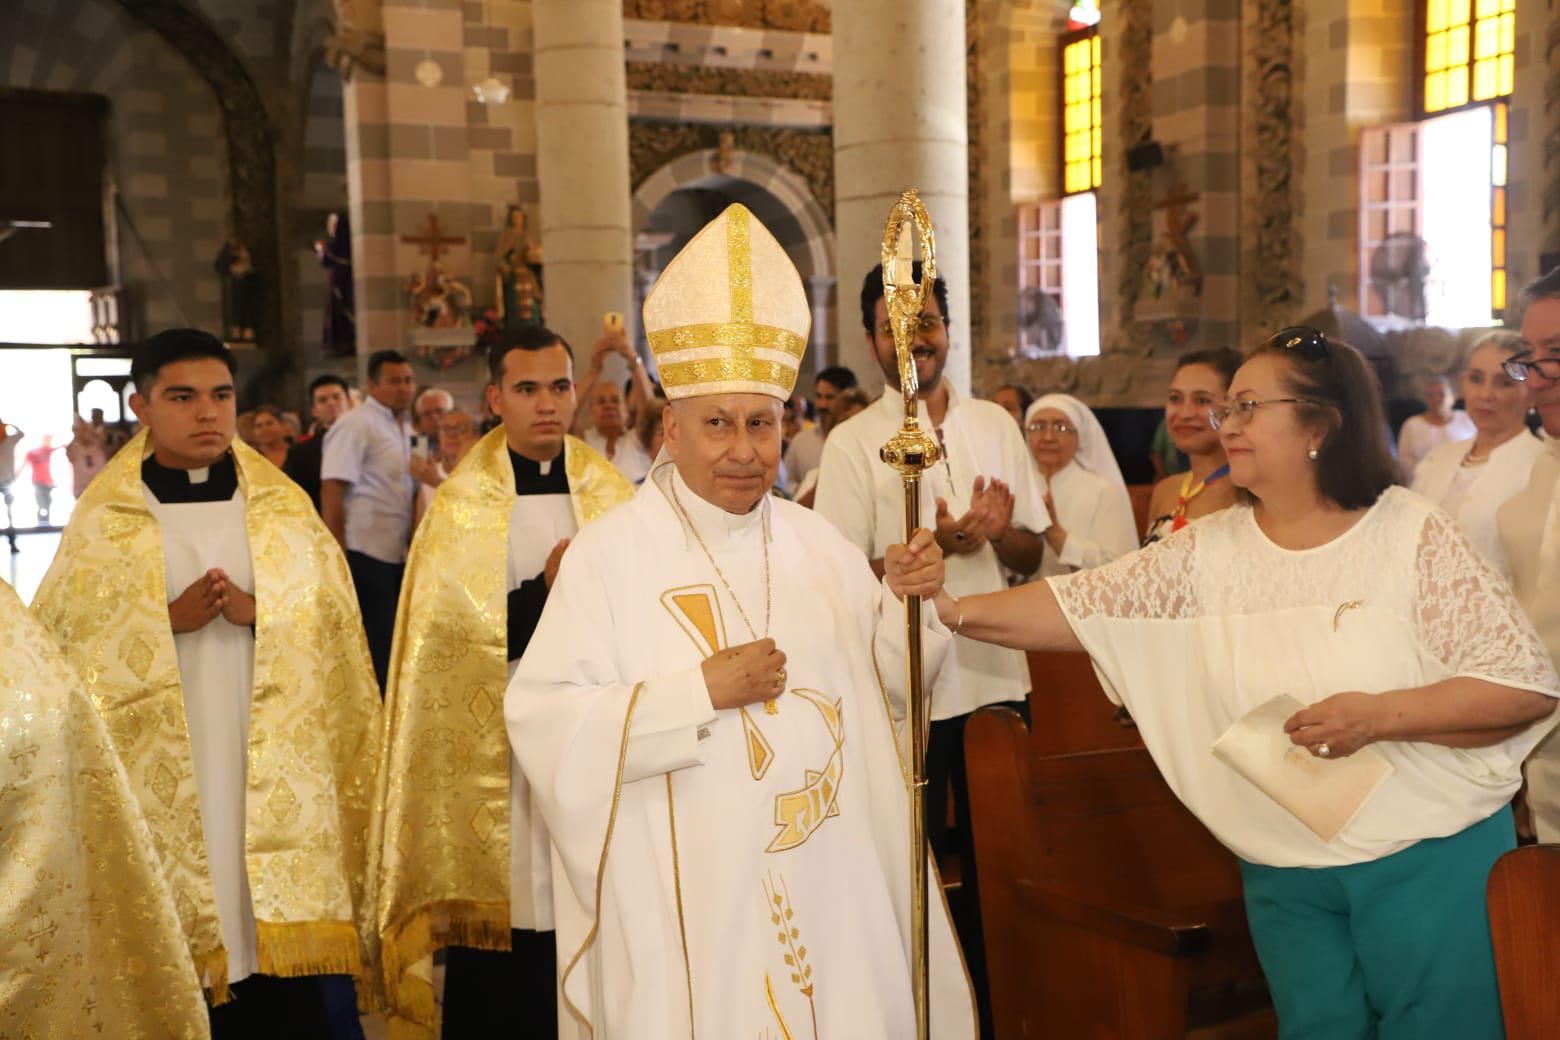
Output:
x=438 y=300
x=439 y=304
x=1173 y=268
x=241 y=288
x=517 y=261
x=335 y=254
x=725 y=152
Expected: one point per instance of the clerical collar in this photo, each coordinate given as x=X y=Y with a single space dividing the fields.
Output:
x=215 y=483
x=713 y=522
x=539 y=478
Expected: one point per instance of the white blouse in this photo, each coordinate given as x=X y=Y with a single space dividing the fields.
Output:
x=1193 y=632
x=1419 y=435
x=1097 y=518
x=1473 y=494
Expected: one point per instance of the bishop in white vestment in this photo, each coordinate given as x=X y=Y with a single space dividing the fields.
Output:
x=730 y=865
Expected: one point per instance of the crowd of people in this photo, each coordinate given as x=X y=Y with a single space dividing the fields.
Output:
x=535 y=684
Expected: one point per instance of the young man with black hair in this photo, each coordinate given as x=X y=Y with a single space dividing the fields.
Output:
x=806 y=448
x=483 y=890
x=985 y=496
x=367 y=494
x=210 y=615
x=329 y=399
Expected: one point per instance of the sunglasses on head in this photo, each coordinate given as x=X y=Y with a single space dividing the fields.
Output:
x=1309 y=343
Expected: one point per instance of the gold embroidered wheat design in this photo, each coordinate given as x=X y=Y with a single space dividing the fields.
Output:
x=782 y=915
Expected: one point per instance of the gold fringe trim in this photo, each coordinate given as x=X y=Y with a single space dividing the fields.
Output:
x=212 y=971
x=308 y=948
x=448 y=922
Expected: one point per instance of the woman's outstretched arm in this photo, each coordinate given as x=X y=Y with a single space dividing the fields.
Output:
x=1025 y=618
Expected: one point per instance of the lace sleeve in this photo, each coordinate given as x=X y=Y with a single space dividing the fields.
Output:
x=1154 y=582
x=1468 y=617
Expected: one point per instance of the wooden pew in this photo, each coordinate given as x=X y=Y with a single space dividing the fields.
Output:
x=1070 y=711
x=1524 y=897
x=1109 y=911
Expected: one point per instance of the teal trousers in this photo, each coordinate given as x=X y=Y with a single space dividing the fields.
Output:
x=1395 y=949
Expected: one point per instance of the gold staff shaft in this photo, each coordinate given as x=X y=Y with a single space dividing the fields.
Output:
x=911 y=452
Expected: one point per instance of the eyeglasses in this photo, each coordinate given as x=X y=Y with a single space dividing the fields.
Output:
x=1060 y=427
x=1518 y=368
x=1303 y=340
x=1242 y=411
x=925 y=323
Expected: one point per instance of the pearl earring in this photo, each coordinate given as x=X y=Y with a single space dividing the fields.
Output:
x=1314 y=454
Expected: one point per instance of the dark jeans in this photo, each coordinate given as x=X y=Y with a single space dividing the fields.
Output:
x=503 y=993
x=44 y=493
x=265 y=1007
x=378 y=587
x=945 y=776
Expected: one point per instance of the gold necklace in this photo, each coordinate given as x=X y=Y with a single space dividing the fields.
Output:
x=769 y=706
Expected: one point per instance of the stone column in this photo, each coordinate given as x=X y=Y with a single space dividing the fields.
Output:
x=900 y=122
x=582 y=166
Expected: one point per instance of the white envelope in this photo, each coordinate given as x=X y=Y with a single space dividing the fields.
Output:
x=1324 y=794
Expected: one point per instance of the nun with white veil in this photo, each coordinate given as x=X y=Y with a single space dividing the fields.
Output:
x=1092 y=512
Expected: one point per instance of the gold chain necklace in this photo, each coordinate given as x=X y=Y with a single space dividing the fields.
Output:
x=769 y=706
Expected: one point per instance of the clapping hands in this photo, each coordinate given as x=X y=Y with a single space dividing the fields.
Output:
x=987 y=520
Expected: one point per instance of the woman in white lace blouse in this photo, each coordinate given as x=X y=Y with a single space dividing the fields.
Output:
x=1364 y=602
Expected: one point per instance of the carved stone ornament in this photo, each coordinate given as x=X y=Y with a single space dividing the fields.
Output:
x=351 y=49
x=791 y=15
x=1136 y=243
x=808 y=153
x=1275 y=279
x=750 y=83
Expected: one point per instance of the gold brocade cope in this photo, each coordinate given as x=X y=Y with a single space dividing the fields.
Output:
x=89 y=938
x=441 y=821
x=314 y=725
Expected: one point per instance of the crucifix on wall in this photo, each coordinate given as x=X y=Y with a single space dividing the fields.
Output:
x=433 y=241
x=437 y=300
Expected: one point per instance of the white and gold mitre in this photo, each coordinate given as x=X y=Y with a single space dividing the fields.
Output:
x=728 y=315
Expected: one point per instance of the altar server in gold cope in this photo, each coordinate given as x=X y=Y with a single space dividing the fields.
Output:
x=465 y=858
x=211 y=617
x=89 y=940
x=710 y=712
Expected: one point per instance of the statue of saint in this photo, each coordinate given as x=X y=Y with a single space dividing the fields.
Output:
x=438 y=300
x=335 y=253
x=240 y=291
x=517 y=263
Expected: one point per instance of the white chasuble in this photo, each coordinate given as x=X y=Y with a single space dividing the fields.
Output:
x=216 y=670
x=728 y=873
